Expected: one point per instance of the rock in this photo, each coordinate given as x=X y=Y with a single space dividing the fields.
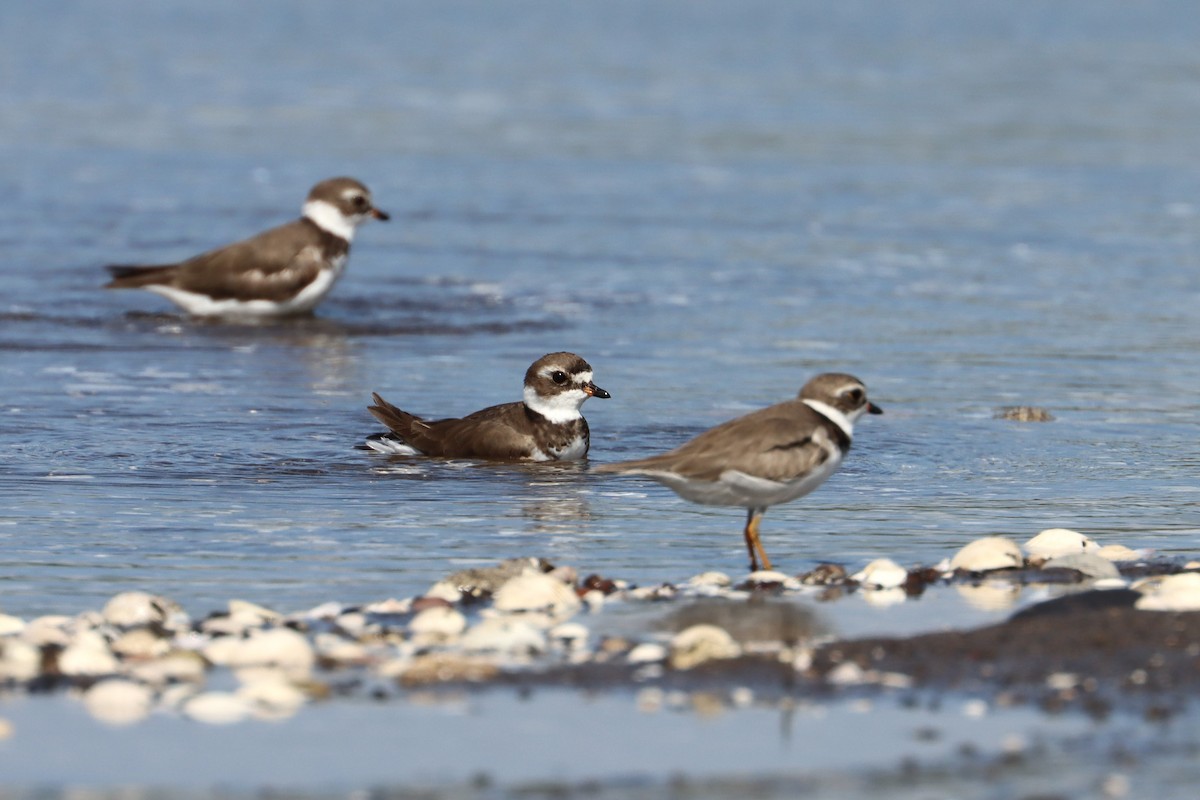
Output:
x=270 y=693
x=1059 y=542
x=824 y=575
x=536 y=591
x=389 y=607
x=990 y=595
x=217 y=708
x=710 y=580
x=263 y=615
x=769 y=577
x=442 y=590
x=280 y=647
x=133 y=609
x=505 y=635
x=177 y=666
x=1090 y=564
x=882 y=598
x=87 y=656
x=140 y=644
x=48 y=630
x=117 y=701
x=700 y=643
x=570 y=635
x=438 y=622
x=988 y=554
x=484 y=581
x=10 y=626
x=447 y=668
x=19 y=660
x=882 y=573
x=647 y=653
x=354 y=623
x=1024 y=414
x=1121 y=553
x=1180 y=592
x=340 y=651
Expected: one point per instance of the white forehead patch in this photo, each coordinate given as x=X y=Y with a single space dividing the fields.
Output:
x=327 y=217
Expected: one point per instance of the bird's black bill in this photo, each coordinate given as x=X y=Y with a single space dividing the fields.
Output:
x=595 y=391
x=873 y=409
x=382 y=216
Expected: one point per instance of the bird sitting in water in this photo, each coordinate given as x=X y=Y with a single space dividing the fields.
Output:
x=766 y=457
x=546 y=426
x=279 y=272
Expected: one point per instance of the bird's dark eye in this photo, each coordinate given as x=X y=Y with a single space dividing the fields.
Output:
x=359 y=201
x=855 y=395
x=558 y=376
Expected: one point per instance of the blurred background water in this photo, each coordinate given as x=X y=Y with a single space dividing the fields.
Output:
x=968 y=205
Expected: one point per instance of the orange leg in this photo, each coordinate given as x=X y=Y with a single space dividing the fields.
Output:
x=753 y=543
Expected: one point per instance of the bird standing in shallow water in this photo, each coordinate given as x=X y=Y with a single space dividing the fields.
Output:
x=766 y=457
x=546 y=426
x=279 y=272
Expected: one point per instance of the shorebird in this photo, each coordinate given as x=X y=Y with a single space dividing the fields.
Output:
x=766 y=457
x=282 y=271
x=546 y=426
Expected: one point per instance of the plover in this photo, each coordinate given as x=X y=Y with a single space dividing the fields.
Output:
x=545 y=426
x=281 y=271
x=766 y=457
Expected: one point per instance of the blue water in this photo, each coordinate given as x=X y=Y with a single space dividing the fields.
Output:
x=966 y=205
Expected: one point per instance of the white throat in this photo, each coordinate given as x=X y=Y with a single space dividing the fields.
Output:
x=562 y=407
x=329 y=219
x=833 y=415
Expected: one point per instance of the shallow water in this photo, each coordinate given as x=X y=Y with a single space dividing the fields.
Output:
x=966 y=206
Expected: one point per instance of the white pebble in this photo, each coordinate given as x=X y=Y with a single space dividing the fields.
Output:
x=884 y=598
x=19 y=660
x=174 y=667
x=774 y=576
x=281 y=647
x=700 y=643
x=339 y=650
x=1059 y=542
x=140 y=643
x=10 y=626
x=987 y=554
x=440 y=622
x=1180 y=592
x=571 y=635
x=990 y=595
x=647 y=653
x=390 y=606
x=217 y=708
x=716 y=580
x=506 y=635
x=882 y=573
x=1121 y=553
x=51 y=629
x=536 y=591
x=443 y=590
x=1090 y=564
x=87 y=655
x=270 y=692
x=131 y=609
x=847 y=673
x=118 y=702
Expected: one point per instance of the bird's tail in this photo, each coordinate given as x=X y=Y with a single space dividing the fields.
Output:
x=130 y=276
x=397 y=420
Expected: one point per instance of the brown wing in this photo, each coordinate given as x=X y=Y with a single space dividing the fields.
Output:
x=499 y=433
x=273 y=265
x=777 y=443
